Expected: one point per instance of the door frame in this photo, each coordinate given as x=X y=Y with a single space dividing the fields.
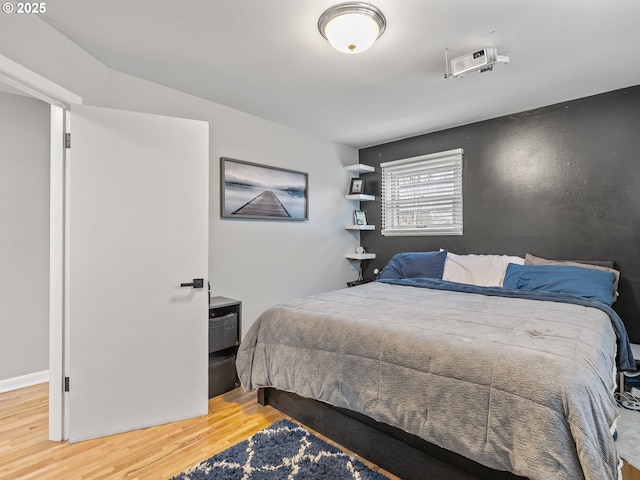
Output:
x=60 y=99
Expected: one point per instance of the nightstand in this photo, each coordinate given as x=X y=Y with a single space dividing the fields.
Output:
x=224 y=338
x=635 y=348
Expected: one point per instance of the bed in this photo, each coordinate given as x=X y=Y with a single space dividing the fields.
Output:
x=488 y=377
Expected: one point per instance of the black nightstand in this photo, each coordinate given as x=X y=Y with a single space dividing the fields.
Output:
x=225 y=329
x=622 y=383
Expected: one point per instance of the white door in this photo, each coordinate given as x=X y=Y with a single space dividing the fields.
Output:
x=137 y=197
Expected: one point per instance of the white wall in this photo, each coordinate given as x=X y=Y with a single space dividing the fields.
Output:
x=258 y=262
x=263 y=262
x=29 y=41
x=24 y=241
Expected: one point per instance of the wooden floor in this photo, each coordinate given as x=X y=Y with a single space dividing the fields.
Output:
x=153 y=453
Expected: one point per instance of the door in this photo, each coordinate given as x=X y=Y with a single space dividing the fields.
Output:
x=137 y=209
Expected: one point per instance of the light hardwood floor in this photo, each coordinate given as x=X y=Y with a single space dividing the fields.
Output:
x=152 y=453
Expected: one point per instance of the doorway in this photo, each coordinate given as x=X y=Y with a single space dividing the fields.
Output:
x=29 y=83
x=24 y=243
x=137 y=230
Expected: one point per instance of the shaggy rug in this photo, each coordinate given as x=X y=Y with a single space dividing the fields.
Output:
x=282 y=451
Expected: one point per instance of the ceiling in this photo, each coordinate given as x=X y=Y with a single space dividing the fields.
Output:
x=267 y=58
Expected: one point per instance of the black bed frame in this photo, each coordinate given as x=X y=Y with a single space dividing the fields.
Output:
x=405 y=455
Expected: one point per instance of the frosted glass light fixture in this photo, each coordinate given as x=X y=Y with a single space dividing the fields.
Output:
x=352 y=27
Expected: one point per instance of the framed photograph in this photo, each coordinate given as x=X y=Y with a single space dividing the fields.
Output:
x=359 y=217
x=356 y=186
x=251 y=190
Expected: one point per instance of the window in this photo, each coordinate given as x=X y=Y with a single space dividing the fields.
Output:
x=423 y=195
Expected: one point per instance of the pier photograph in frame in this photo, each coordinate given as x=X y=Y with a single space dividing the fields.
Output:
x=252 y=190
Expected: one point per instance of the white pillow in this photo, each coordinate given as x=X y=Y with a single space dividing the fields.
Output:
x=482 y=270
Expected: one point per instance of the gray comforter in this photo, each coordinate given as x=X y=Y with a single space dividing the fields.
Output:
x=515 y=384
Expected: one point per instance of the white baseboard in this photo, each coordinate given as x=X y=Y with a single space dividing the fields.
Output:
x=24 y=381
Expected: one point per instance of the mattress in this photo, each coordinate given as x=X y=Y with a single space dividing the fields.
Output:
x=517 y=384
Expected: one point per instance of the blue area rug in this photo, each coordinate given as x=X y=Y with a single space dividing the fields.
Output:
x=282 y=451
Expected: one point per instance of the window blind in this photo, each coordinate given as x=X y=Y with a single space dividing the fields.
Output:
x=423 y=195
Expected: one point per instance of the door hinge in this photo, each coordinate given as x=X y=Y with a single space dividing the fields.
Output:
x=67 y=140
x=66 y=384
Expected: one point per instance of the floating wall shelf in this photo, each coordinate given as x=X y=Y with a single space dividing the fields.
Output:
x=362 y=197
x=359 y=168
x=360 y=256
x=360 y=227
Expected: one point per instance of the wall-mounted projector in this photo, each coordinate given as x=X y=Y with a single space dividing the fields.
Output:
x=478 y=61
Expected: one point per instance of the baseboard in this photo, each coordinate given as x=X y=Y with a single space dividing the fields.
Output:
x=24 y=381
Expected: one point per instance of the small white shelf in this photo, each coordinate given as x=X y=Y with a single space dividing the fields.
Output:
x=359 y=168
x=362 y=197
x=360 y=227
x=355 y=171
x=360 y=256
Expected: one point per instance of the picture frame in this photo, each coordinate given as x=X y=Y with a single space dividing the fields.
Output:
x=356 y=186
x=255 y=191
x=359 y=217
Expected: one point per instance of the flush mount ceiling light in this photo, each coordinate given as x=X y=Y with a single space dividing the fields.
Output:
x=352 y=27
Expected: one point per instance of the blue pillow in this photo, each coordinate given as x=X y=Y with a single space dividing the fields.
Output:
x=583 y=282
x=415 y=265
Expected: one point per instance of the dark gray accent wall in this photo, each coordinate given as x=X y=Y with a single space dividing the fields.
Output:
x=560 y=182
